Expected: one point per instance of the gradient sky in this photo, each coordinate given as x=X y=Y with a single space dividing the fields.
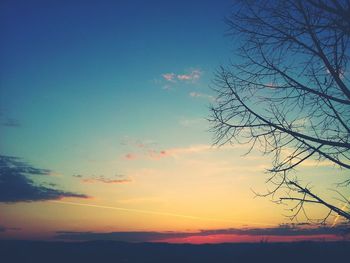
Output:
x=111 y=97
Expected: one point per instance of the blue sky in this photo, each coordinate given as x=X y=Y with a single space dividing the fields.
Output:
x=74 y=71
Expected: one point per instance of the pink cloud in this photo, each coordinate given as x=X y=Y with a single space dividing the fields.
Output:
x=130 y=156
x=169 y=76
x=194 y=75
x=156 y=155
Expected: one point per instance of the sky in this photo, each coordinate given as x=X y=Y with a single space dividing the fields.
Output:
x=103 y=108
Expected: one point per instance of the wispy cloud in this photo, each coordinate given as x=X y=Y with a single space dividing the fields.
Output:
x=155 y=154
x=172 y=78
x=192 y=122
x=7 y=121
x=5 y=229
x=169 y=77
x=199 y=148
x=310 y=163
x=118 y=179
x=102 y=179
x=150 y=154
x=15 y=186
x=199 y=95
x=10 y=122
x=144 y=143
x=130 y=156
x=191 y=76
x=317 y=163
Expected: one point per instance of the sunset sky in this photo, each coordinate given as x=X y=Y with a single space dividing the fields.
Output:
x=108 y=101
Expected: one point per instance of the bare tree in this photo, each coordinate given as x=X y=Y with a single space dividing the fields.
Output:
x=288 y=93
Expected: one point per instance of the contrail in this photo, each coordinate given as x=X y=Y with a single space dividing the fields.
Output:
x=337 y=217
x=158 y=213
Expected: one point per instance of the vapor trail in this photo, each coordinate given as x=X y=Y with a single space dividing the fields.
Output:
x=158 y=213
x=337 y=217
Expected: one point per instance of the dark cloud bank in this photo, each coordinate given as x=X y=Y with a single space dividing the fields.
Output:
x=5 y=229
x=16 y=186
x=283 y=230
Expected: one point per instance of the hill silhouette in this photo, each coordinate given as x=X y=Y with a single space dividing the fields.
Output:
x=112 y=251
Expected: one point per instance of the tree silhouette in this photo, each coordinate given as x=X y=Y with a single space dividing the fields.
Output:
x=288 y=92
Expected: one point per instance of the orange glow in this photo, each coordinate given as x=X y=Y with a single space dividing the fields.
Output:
x=214 y=239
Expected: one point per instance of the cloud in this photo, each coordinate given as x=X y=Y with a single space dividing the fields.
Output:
x=194 y=75
x=169 y=77
x=199 y=148
x=130 y=156
x=202 y=96
x=282 y=230
x=149 y=153
x=138 y=148
x=12 y=123
x=172 y=78
x=309 y=163
x=119 y=179
x=191 y=122
x=192 y=149
x=5 y=229
x=15 y=186
x=8 y=122
x=102 y=179
x=128 y=141
x=317 y=163
x=118 y=236
x=155 y=154
x=149 y=236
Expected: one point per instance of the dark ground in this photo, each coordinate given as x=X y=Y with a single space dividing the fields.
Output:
x=109 y=251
